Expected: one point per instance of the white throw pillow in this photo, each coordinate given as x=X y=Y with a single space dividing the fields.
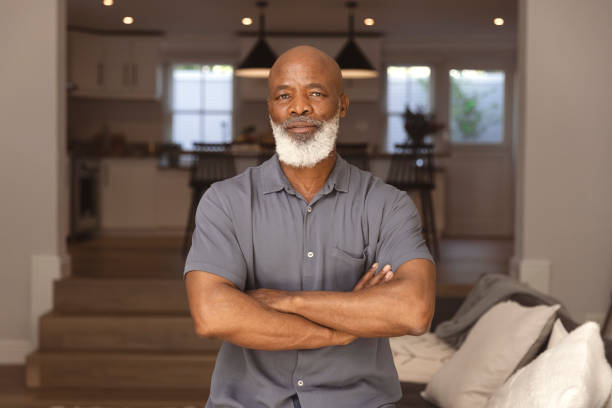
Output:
x=573 y=374
x=506 y=337
x=418 y=358
x=558 y=333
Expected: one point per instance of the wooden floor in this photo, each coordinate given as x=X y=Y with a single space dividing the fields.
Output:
x=14 y=394
x=462 y=263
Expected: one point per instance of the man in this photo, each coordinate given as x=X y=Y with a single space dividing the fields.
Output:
x=277 y=262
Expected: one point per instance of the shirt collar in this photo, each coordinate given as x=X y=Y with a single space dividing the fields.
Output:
x=274 y=179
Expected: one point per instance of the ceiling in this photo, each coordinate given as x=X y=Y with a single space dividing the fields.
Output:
x=398 y=20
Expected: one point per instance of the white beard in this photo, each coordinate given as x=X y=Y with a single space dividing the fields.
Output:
x=308 y=152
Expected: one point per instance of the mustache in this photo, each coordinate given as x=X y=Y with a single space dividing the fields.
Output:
x=302 y=119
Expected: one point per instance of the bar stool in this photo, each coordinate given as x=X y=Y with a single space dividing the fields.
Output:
x=412 y=169
x=354 y=153
x=266 y=152
x=212 y=162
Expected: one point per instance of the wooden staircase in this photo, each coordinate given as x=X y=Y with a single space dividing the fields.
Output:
x=120 y=330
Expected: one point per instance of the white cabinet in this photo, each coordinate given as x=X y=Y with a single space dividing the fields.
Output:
x=138 y=196
x=87 y=63
x=114 y=66
x=145 y=81
x=128 y=192
x=118 y=66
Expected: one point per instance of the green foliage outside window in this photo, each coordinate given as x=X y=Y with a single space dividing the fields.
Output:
x=471 y=118
x=465 y=111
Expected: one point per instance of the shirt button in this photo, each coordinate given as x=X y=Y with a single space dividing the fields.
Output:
x=309 y=209
x=310 y=254
x=300 y=383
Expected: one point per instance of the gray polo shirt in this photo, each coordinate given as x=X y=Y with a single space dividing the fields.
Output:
x=257 y=231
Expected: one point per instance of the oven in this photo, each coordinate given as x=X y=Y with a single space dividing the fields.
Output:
x=85 y=209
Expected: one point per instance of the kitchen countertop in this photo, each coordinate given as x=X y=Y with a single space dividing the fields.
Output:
x=185 y=157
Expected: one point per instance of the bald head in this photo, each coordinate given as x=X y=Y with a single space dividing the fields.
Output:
x=307 y=60
x=305 y=82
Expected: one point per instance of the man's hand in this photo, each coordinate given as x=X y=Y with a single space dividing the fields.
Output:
x=369 y=279
x=280 y=300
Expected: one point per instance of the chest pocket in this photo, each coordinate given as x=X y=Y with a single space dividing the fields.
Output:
x=345 y=269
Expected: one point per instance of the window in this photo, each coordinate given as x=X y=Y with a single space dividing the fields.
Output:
x=407 y=86
x=201 y=104
x=477 y=106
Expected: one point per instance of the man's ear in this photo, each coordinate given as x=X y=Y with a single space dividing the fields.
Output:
x=344 y=104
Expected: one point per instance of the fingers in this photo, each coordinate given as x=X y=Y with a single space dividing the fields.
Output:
x=369 y=279
x=384 y=275
x=366 y=277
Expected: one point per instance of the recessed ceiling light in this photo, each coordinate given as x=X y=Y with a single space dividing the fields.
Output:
x=128 y=20
x=498 y=21
x=247 y=21
x=107 y=2
x=368 y=21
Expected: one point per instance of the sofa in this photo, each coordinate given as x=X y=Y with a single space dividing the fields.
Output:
x=424 y=383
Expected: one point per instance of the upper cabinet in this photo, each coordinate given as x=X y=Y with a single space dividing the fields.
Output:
x=115 y=66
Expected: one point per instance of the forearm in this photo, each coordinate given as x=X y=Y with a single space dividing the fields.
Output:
x=231 y=315
x=382 y=311
x=403 y=305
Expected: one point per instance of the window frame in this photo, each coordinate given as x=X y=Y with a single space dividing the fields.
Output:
x=507 y=110
x=386 y=113
x=167 y=111
x=440 y=94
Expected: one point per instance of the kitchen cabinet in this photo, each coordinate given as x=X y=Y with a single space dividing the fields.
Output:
x=86 y=65
x=145 y=81
x=115 y=66
x=136 y=195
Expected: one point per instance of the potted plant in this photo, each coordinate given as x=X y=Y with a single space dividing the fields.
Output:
x=418 y=125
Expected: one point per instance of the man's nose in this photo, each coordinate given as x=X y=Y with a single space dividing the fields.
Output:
x=301 y=106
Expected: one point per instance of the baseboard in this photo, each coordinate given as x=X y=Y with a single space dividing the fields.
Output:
x=14 y=351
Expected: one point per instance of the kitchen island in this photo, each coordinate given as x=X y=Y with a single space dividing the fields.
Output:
x=144 y=195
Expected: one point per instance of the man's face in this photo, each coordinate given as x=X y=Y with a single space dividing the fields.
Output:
x=300 y=89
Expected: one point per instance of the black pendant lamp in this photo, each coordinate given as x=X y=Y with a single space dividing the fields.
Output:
x=353 y=62
x=259 y=61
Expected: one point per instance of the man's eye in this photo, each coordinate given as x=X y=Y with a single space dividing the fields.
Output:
x=316 y=93
x=283 y=96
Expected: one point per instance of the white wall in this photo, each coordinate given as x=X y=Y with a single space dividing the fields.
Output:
x=564 y=207
x=33 y=176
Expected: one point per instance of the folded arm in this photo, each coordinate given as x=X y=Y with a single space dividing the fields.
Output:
x=400 y=306
x=221 y=310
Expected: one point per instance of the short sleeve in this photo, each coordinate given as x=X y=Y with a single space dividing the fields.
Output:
x=214 y=246
x=400 y=233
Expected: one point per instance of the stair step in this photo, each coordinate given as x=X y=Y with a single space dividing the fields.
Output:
x=128 y=257
x=93 y=295
x=129 y=264
x=165 y=333
x=119 y=370
x=68 y=397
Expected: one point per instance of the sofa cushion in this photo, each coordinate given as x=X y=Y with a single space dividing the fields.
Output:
x=418 y=358
x=572 y=374
x=506 y=337
x=558 y=333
